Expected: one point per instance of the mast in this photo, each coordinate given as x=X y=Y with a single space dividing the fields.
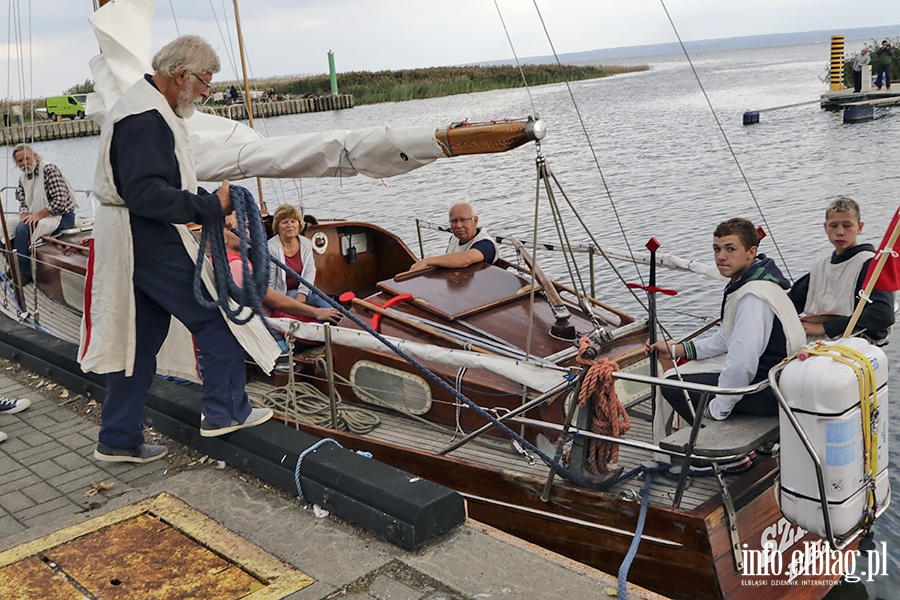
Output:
x=248 y=101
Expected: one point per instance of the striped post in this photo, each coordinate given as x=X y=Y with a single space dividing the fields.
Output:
x=837 y=63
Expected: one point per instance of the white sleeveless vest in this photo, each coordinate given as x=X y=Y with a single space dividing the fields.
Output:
x=832 y=288
x=36 y=200
x=481 y=234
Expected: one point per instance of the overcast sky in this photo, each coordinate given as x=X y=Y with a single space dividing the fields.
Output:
x=292 y=37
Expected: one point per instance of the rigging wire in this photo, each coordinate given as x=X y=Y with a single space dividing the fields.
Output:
x=725 y=137
x=587 y=137
x=516 y=57
x=174 y=18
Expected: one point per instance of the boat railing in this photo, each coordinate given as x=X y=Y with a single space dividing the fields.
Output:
x=705 y=391
x=668 y=261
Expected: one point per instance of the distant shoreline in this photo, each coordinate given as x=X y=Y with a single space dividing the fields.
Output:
x=372 y=87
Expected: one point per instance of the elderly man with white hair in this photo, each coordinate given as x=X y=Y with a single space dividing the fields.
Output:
x=470 y=244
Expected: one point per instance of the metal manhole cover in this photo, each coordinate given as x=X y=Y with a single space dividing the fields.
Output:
x=158 y=548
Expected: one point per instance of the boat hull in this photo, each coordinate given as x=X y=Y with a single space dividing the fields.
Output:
x=682 y=554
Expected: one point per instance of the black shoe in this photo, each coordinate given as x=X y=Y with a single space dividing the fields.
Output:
x=142 y=454
x=26 y=279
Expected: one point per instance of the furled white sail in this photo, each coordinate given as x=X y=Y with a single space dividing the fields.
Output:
x=538 y=377
x=226 y=149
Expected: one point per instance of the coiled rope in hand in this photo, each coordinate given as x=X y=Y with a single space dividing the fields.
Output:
x=608 y=416
x=254 y=259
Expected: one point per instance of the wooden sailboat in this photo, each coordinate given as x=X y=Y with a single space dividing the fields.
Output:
x=694 y=540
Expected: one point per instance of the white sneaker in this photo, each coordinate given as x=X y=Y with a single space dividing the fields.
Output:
x=257 y=416
x=3 y=436
x=10 y=406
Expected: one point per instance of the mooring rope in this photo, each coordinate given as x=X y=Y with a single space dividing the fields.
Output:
x=636 y=541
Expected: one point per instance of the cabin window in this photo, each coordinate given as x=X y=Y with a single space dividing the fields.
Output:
x=399 y=390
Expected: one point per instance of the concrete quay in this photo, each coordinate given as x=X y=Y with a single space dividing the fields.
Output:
x=51 y=482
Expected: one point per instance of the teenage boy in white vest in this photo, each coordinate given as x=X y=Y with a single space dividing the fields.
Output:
x=759 y=328
x=470 y=244
x=827 y=295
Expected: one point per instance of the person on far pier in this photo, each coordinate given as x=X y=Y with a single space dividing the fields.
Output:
x=883 y=58
x=861 y=60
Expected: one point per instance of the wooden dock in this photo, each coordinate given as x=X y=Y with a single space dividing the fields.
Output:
x=41 y=131
x=838 y=100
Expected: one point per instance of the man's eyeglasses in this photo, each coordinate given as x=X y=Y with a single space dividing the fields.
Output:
x=208 y=86
x=460 y=220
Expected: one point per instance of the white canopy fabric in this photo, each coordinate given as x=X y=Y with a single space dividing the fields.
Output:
x=226 y=149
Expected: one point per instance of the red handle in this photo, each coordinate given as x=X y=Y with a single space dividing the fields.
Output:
x=376 y=318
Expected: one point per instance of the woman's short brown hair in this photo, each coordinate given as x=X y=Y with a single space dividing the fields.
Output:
x=285 y=212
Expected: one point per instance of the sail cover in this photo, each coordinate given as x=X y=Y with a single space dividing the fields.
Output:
x=542 y=378
x=226 y=149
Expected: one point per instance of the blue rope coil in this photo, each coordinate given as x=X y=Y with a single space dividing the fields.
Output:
x=254 y=257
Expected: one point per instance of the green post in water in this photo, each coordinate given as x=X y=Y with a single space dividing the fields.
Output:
x=334 y=89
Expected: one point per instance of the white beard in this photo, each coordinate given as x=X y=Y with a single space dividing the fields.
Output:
x=184 y=106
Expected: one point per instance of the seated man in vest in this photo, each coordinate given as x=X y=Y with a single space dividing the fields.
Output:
x=470 y=244
x=759 y=328
x=827 y=296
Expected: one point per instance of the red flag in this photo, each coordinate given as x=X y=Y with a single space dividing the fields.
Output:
x=889 y=278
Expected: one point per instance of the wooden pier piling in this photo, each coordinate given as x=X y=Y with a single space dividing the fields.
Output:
x=41 y=131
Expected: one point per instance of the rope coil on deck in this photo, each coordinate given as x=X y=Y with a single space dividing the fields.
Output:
x=608 y=416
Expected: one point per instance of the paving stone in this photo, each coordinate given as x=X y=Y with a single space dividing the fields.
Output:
x=9 y=525
x=48 y=511
x=85 y=473
x=46 y=469
x=41 y=453
x=41 y=422
x=15 y=501
x=71 y=460
x=83 y=484
x=140 y=471
x=66 y=418
x=385 y=588
x=35 y=438
x=12 y=445
x=41 y=492
x=16 y=483
x=14 y=427
x=7 y=464
x=76 y=440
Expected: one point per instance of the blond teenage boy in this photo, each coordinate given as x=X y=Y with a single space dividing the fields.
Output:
x=827 y=296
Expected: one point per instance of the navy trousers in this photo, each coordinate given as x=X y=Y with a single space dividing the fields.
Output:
x=162 y=289
x=22 y=241
x=763 y=404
